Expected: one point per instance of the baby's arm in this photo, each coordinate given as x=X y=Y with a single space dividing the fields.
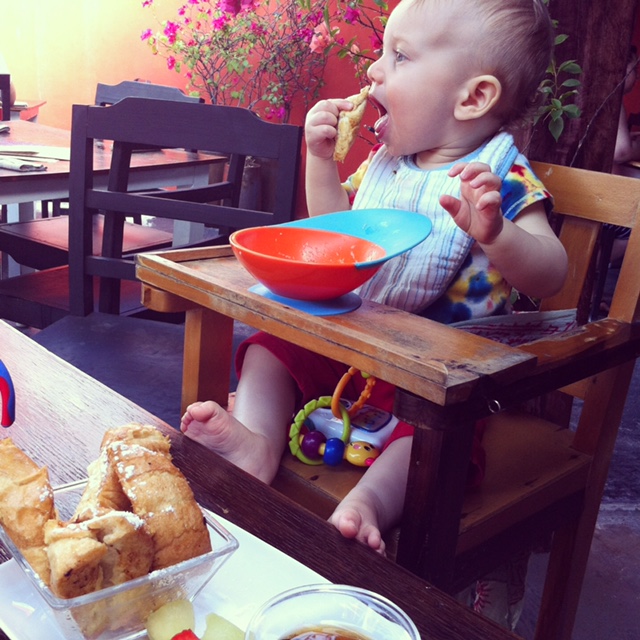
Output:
x=324 y=190
x=526 y=252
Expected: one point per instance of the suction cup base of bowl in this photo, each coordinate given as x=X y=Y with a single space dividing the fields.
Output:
x=334 y=307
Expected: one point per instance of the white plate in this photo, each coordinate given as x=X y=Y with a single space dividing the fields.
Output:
x=252 y=575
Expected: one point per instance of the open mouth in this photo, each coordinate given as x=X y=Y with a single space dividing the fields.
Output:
x=381 y=123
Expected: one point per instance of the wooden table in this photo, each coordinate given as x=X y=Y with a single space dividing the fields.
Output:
x=62 y=413
x=152 y=167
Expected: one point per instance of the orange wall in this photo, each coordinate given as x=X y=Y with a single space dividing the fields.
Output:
x=57 y=50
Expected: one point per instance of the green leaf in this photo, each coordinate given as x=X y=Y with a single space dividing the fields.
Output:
x=555 y=128
x=570 y=66
x=567 y=96
x=572 y=110
x=559 y=39
x=571 y=82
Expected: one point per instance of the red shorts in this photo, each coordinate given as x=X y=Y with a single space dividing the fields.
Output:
x=316 y=375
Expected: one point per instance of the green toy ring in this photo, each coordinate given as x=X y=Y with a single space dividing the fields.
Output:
x=298 y=422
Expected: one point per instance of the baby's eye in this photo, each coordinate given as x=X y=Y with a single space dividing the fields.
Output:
x=399 y=56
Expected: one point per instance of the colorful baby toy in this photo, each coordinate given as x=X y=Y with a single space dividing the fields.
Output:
x=313 y=447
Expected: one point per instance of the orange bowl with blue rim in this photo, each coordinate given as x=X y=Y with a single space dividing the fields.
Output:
x=327 y=256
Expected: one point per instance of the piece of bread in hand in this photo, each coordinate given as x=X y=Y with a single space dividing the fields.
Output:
x=349 y=124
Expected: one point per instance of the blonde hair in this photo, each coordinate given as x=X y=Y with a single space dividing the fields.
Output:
x=514 y=43
x=516 y=46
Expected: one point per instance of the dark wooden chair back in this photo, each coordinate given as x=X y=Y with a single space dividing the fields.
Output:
x=544 y=481
x=108 y=94
x=132 y=122
x=5 y=95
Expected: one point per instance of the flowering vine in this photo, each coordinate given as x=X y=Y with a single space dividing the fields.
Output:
x=244 y=53
x=266 y=55
x=364 y=20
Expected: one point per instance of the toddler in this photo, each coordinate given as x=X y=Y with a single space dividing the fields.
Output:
x=453 y=74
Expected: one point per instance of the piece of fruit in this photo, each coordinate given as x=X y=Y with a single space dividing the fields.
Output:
x=187 y=634
x=170 y=619
x=219 y=628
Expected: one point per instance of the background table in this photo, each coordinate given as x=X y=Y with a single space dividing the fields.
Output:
x=153 y=168
x=62 y=414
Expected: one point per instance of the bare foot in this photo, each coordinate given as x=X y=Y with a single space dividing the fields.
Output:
x=210 y=425
x=357 y=517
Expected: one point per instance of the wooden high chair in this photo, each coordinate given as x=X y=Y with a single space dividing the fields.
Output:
x=542 y=478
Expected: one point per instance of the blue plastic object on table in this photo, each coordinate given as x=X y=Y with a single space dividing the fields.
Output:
x=396 y=231
x=8 y=395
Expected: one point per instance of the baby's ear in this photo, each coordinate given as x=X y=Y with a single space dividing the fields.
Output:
x=478 y=97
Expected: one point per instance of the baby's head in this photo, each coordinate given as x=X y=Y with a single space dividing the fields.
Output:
x=514 y=43
x=453 y=72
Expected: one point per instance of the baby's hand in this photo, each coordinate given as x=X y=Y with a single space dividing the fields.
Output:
x=478 y=211
x=320 y=127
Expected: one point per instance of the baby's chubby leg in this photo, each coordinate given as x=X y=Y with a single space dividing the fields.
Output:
x=375 y=504
x=254 y=437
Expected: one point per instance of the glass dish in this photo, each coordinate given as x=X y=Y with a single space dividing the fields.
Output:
x=120 y=612
x=327 y=608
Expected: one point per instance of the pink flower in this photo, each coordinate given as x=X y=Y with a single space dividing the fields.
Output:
x=146 y=34
x=147 y=3
x=376 y=42
x=247 y=5
x=257 y=29
x=171 y=30
x=321 y=38
x=351 y=15
x=171 y=63
x=219 y=23
x=229 y=6
x=306 y=35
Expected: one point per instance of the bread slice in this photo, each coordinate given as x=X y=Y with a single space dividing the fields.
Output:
x=75 y=558
x=161 y=496
x=129 y=546
x=103 y=492
x=349 y=124
x=26 y=504
x=145 y=435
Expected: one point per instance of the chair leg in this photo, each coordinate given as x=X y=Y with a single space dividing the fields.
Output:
x=208 y=337
x=607 y=237
x=571 y=544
